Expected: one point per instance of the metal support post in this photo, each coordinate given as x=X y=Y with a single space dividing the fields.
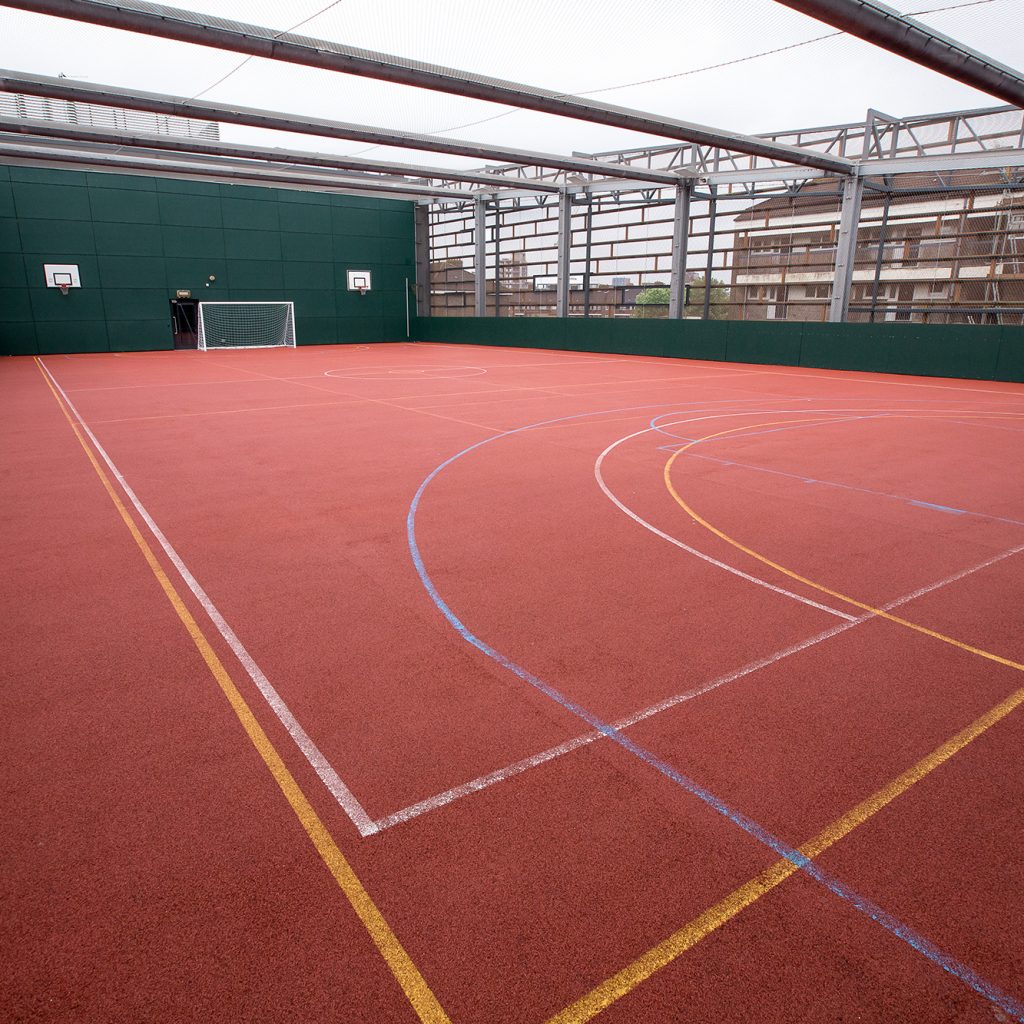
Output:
x=564 y=250
x=680 y=244
x=880 y=257
x=480 y=259
x=586 y=266
x=497 y=257
x=846 y=248
x=421 y=224
x=712 y=213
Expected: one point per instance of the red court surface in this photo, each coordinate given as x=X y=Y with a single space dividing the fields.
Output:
x=432 y=682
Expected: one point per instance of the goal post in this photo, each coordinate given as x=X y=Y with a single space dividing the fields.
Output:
x=246 y=324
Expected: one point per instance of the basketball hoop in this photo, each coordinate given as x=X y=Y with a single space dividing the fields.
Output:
x=64 y=289
x=363 y=290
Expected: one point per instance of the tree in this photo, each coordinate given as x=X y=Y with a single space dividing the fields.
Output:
x=652 y=303
x=719 y=309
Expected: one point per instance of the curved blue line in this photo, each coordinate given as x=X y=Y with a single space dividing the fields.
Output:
x=865 y=906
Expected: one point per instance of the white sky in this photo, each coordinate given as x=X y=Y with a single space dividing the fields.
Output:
x=570 y=46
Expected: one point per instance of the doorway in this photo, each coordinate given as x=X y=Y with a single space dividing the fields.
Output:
x=185 y=323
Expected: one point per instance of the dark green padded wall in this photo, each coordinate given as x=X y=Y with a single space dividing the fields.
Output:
x=137 y=240
x=977 y=353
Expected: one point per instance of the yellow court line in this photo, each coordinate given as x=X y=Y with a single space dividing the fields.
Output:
x=881 y=613
x=405 y=971
x=671 y=948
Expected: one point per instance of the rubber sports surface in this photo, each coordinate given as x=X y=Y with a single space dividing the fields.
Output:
x=450 y=683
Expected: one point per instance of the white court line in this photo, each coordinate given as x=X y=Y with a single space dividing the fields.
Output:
x=344 y=796
x=866 y=414
x=439 y=800
x=686 y=547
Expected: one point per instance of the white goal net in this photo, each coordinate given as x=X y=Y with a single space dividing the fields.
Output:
x=246 y=324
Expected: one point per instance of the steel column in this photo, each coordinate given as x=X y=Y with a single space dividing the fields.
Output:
x=564 y=251
x=680 y=245
x=588 y=255
x=709 y=266
x=846 y=248
x=421 y=224
x=879 y=258
x=480 y=257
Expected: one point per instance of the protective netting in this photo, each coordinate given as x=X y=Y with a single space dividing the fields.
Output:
x=932 y=246
x=941 y=248
x=246 y=324
x=96 y=115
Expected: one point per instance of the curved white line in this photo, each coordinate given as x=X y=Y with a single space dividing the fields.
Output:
x=724 y=414
x=693 y=551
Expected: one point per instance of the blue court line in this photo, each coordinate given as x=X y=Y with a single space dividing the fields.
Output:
x=849 y=487
x=956 y=511
x=865 y=906
x=808 y=480
x=757 y=433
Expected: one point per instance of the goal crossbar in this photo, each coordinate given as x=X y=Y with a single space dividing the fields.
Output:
x=246 y=325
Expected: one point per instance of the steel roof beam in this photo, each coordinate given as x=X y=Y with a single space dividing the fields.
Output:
x=190 y=144
x=44 y=150
x=178 y=106
x=202 y=30
x=876 y=23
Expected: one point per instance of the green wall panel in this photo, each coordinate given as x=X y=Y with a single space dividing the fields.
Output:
x=141 y=271
x=131 y=207
x=138 y=239
x=119 y=182
x=306 y=246
x=941 y=351
x=6 y=199
x=1010 y=362
x=127 y=239
x=14 y=302
x=138 y=335
x=304 y=275
x=18 y=339
x=12 y=271
x=302 y=217
x=356 y=250
x=72 y=336
x=194 y=242
x=981 y=353
x=53 y=237
x=250 y=214
x=51 y=202
x=184 y=186
x=42 y=175
x=10 y=237
x=190 y=210
x=763 y=342
x=136 y=304
x=249 y=274
x=79 y=305
x=252 y=245
x=318 y=302
x=316 y=330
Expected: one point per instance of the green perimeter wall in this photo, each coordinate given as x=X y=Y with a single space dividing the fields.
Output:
x=979 y=353
x=137 y=240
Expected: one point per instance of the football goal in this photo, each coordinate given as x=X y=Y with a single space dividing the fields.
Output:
x=246 y=324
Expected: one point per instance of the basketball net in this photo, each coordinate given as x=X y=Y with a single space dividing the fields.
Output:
x=64 y=289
